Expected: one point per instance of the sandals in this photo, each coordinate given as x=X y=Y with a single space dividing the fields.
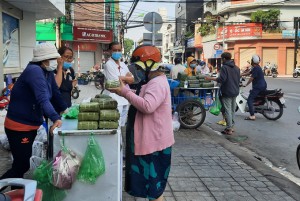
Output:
x=249 y=118
x=227 y=131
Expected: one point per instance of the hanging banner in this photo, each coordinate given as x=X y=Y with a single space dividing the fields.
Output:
x=92 y=34
x=11 y=44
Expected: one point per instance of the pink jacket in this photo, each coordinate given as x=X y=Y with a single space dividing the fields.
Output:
x=153 y=130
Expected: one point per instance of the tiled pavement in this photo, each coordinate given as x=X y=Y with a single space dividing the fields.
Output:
x=202 y=170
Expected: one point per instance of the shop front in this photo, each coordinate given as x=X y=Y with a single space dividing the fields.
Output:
x=18 y=32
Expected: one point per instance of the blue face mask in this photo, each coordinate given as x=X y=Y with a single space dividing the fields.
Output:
x=116 y=55
x=67 y=65
x=193 y=65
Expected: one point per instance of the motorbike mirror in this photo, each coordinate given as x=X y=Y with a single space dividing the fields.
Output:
x=299 y=109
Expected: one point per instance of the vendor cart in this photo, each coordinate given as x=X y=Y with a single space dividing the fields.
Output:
x=108 y=186
x=191 y=104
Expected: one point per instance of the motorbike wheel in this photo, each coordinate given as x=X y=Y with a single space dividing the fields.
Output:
x=275 y=110
x=274 y=75
x=298 y=156
x=75 y=93
x=191 y=114
x=295 y=75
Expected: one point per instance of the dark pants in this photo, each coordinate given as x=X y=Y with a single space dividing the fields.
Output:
x=21 y=148
x=253 y=94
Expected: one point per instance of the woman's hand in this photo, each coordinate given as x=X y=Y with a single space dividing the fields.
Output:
x=56 y=124
x=118 y=89
x=60 y=63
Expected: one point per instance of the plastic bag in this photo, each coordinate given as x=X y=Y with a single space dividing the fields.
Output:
x=43 y=176
x=41 y=134
x=72 y=113
x=39 y=149
x=4 y=142
x=35 y=162
x=216 y=109
x=92 y=165
x=65 y=169
x=176 y=124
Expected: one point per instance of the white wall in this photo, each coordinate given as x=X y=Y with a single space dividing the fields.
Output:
x=59 y=4
x=288 y=14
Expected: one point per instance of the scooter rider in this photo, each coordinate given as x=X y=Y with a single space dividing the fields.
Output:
x=258 y=84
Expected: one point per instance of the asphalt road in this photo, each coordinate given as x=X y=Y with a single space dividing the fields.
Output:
x=274 y=140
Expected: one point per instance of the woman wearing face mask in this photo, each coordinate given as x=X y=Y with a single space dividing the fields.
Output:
x=65 y=75
x=191 y=66
x=31 y=101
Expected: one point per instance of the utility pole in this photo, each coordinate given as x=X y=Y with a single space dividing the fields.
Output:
x=58 y=36
x=296 y=27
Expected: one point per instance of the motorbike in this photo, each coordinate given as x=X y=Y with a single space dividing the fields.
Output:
x=296 y=72
x=28 y=193
x=75 y=92
x=271 y=70
x=298 y=148
x=269 y=103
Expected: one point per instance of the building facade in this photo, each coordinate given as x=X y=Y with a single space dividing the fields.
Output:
x=236 y=33
x=18 y=31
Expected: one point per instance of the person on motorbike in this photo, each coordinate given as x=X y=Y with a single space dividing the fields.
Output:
x=65 y=74
x=258 y=84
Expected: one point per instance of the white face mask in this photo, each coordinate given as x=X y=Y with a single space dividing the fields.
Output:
x=52 y=65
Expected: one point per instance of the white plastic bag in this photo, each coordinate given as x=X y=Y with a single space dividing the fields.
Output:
x=39 y=149
x=35 y=162
x=4 y=142
x=176 y=124
x=41 y=134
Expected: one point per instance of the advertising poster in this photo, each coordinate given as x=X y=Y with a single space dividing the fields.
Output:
x=11 y=51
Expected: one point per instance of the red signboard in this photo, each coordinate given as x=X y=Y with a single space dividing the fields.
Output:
x=92 y=34
x=246 y=30
x=85 y=46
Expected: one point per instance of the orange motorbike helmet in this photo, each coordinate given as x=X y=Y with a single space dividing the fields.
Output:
x=146 y=52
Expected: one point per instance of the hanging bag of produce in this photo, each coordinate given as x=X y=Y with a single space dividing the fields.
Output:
x=72 y=112
x=93 y=164
x=216 y=108
x=65 y=167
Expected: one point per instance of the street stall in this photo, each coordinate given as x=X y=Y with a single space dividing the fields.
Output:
x=108 y=186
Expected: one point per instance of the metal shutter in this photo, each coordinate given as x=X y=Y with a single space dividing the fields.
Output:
x=269 y=55
x=245 y=55
x=87 y=60
x=290 y=60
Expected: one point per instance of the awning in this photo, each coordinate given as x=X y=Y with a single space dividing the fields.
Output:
x=42 y=9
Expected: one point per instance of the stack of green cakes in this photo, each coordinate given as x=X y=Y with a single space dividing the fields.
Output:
x=182 y=77
x=108 y=113
x=204 y=83
x=88 y=116
x=193 y=82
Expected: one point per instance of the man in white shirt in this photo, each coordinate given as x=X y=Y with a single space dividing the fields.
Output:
x=178 y=68
x=114 y=69
x=202 y=67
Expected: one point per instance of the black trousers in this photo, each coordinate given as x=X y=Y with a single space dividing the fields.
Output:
x=21 y=148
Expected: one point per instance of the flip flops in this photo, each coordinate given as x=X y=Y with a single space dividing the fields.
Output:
x=248 y=118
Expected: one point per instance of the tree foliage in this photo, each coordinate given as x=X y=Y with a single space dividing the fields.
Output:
x=128 y=44
x=208 y=27
x=269 y=19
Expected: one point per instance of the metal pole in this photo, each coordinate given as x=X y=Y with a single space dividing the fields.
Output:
x=153 y=29
x=296 y=26
x=223 y=36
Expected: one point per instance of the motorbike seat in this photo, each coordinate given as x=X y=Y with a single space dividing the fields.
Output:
x=269 y=92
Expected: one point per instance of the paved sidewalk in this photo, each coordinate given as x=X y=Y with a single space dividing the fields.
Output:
x=202 y=170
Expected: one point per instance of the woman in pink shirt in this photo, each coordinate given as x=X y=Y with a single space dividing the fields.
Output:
x=149 y=133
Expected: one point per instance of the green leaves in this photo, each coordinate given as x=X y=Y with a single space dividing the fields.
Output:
x=269 y=19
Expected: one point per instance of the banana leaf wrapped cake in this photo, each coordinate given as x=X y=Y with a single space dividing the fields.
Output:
x=89 y=107
x=88 y=116
x=109 y=115
x=87 y=125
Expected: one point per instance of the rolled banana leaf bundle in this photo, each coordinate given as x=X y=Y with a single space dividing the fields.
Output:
x=112 y=84
x=102 y=96
x=182 y=76
x=88 y=116
x=108 y=104
x=89 y=107
x=108 y=125
x=109 y=115
x=87 y=125
x=192 y=77
x=207 y=85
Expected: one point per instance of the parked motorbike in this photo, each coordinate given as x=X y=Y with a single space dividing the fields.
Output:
x=28 y=193
x=296 y=72
x=298 y=148
x=270 y=103
x=75 y=92
x=271 y=70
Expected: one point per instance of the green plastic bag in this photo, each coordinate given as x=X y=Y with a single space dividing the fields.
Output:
x=93 y=164
x=216 y=109
x=72 y=113
x=43 y=176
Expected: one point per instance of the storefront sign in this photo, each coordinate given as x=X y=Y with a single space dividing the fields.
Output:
x=247 y=30
x=191 y=42
x=85 y=46
x=92 y=34
x=10 y=40
x=289 y=34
